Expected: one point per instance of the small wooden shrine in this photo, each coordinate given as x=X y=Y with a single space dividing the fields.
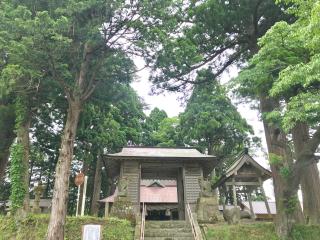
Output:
x=166 y=179
x=247 y=174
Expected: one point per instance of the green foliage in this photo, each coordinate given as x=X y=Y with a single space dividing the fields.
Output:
x=275 y=159
x=18 y=189
x=168 y=133
x=18 y=167
x=7 y=121
x=291 y=204
x=259 y=231
x=151 y=126
x=303 y=232
x=20 y=112
x=285 y=172
x=253 y=231
x=35 y=227
x=211 y=122
x=287 y=68
x=222 y=33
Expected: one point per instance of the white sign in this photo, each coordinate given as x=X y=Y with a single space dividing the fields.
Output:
x=91 y=232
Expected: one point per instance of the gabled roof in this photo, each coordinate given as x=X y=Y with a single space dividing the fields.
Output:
x=159 y=191
x=243 y=159
x=153 y=191
x=155 y=184
x=247 y=159
x=111 y=198
x=160 y=152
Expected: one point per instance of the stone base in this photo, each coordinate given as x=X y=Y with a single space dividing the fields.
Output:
x=36 y=210
x=208 y=210
x=124 y=209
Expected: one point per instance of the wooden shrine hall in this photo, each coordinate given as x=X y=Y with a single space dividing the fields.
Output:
x=164 y=179
x=247 y=174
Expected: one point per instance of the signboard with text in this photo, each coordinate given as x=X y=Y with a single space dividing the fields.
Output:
x=91 y=232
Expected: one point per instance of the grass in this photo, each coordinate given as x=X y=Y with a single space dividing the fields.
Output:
x=258 y=231
x=254 y=231
x=34 y=227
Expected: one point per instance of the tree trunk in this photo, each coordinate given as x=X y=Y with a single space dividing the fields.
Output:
x=61 y=186
x=210 y=147
x=284 y=194
x=310 y=180
x=24 y=140
x=96 y=188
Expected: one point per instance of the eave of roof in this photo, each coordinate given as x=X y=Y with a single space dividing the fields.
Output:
x=232 y=170
x=246 y=158
x=159 y=153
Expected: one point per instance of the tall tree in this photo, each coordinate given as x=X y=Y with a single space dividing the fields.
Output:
x=285 y=69
x=20 y=83
x=211 y=122
x=168 y=133
x=151 y=125
x=80 y=44
x=219 y=34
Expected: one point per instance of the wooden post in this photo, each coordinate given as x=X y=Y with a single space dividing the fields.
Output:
x=250 y=203
x=84 y=195
x=234 y=192
x=180 y=189
x=106 y=210
x=78 y=198
x=265 y=197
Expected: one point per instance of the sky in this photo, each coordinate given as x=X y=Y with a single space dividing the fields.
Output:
x=168 y=101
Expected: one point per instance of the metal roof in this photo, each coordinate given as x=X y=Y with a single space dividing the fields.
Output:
x=111 y=198
x=160 y=152
x=166 y=192
x=259 y=207
x=246 y=158
x=243 y=159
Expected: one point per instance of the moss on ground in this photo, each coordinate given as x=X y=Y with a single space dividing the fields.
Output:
x=259 y=231
x=34 y=227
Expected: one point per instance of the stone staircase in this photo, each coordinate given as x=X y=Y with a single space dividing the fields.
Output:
x=168 y=230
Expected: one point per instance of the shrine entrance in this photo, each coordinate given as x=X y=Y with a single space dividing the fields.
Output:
x=164 y=180
x=162 y=191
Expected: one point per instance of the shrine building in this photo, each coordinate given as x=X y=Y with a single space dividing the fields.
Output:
x=164 y=179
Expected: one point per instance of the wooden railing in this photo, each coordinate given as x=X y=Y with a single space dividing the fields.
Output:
x=192 y=223
x=143 y=220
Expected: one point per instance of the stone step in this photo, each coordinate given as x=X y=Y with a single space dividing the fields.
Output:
x=168 y=230
x=173 y=230
x=167 y=224
x=166 y=233
x=169 y=238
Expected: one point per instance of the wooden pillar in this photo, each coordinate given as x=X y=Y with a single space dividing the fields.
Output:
x=234 y=192
x=180 y=189
x=106 y=210
x=250 y=202
x=264 y=197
